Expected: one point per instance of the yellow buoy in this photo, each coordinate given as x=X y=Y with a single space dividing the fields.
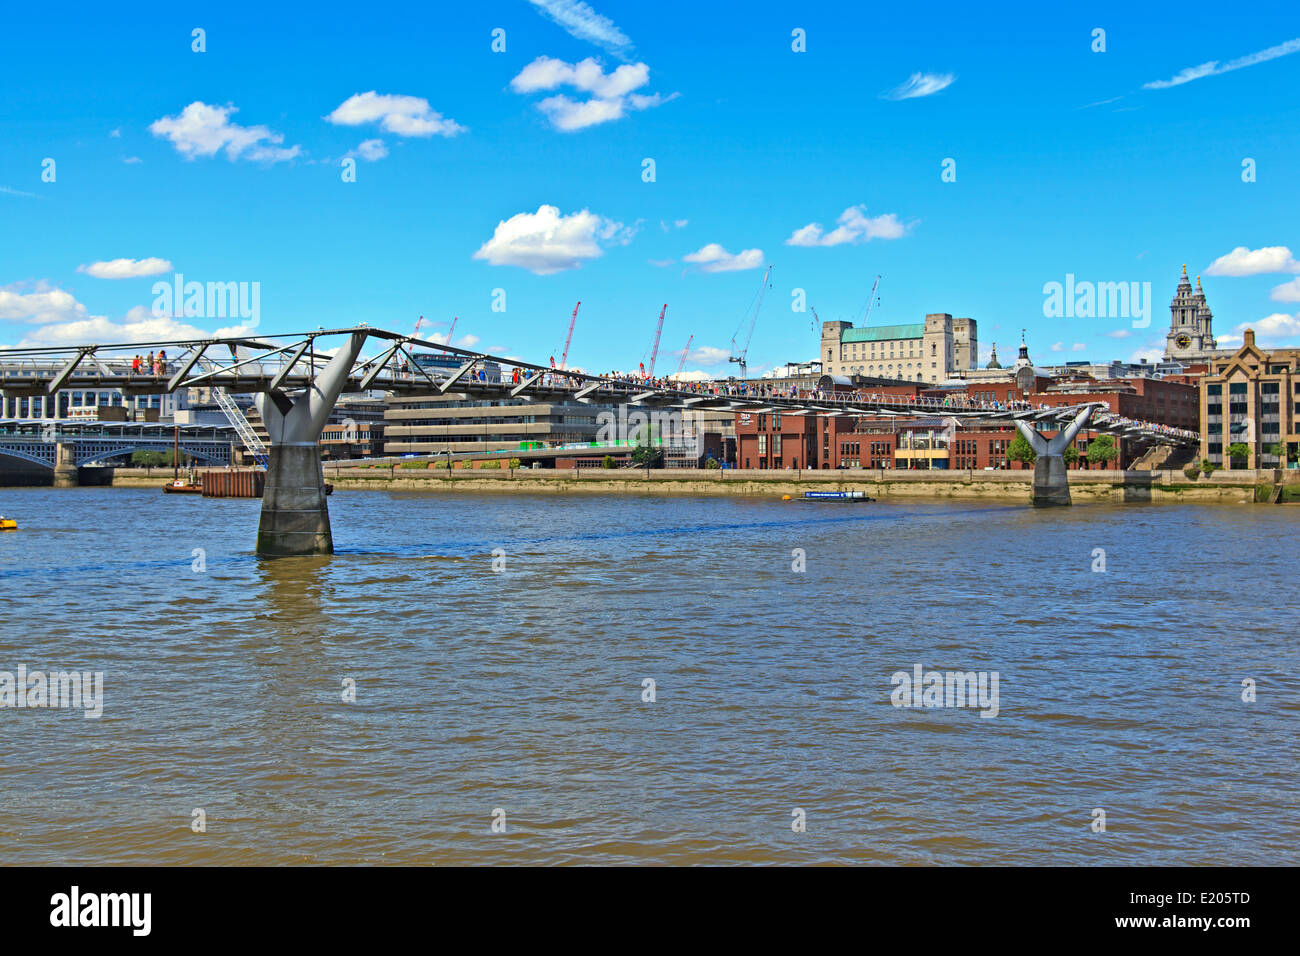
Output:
x=785 y=497
x=8 y=524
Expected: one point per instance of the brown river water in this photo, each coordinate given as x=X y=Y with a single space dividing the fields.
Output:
x=518 y=694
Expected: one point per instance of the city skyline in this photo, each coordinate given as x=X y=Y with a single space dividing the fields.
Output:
x=969 y=176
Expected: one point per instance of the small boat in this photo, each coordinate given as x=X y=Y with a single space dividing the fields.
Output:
x=836 y=496
x=8 y=524
x=182 y=486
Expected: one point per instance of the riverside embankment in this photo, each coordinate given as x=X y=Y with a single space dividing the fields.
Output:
x=1222 y=487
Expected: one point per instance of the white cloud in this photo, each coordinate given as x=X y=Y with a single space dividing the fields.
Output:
x=401 y=115
x=126 y=268
x=42 y=304
x=202 y=130
x=545 y=242
x=714 y=258
x=1286 y=292
x=1058 y=346
x=132 y=160
x=115 y=134
x=62 y=320
x=581 y=21
x=1242 y=261
x=1078 y=347
x=370 y=150
x=1151 y=353
x=1119 y=334
x=691 y=376
x=1213 y=67
x=1277 y=326
x=920 y=84
x=611 y=94
x=853 y=226
x=708 y=355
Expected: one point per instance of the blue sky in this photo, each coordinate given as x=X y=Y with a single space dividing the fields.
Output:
x=227 y=166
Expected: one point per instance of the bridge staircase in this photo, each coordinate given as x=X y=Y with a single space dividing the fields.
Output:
x=248 y=434
x=1166 y=457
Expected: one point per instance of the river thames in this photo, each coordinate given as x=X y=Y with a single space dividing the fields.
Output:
x=521 y=692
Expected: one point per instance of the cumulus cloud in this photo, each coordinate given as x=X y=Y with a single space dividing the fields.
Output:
x=370 y=150
x=1242 y=261
x=126 y=268
x=1058 y=347
x=853 y=226
x=708 y=356
x=1213 y=67
x=400 y=115
x=581 y=21
x=1078 y=347
x=545 y=242
x=42 y=304
x=1119 y=333
x=714 y=258
x=202 y=130
x=1274 y=327
x=611 y=94
x=693 y=375
x=62 y=320
x=920 y=84
x=1286 y=292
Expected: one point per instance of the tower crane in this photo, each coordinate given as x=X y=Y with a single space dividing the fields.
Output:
x=564 y=358
x=872 y=300
x=654 y=345
x=740 y=355
x=682 y=364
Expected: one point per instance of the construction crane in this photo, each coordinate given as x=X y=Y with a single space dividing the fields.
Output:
x=654 y=345
x=564 y=358
x=452 y=331
x=682 y=364
x=418 y=322
x=872 y=301
x=747 y=322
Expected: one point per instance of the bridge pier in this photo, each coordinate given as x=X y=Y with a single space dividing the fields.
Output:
x=1051 y=478
x=65 y=465
x=295 y=518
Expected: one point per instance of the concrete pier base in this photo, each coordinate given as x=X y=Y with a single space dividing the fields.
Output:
x=1051 y=487
x=65 y=466
x=295 y=519
x=1051 y=484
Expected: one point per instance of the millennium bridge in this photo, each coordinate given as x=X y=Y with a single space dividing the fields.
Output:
x=296 y=383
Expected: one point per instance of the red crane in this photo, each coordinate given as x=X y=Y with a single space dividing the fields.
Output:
x=654 y=348
x=452 y=331
x=564 y=358
x=682 y=364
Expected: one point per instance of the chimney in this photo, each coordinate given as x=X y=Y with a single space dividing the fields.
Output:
x=1248 y=340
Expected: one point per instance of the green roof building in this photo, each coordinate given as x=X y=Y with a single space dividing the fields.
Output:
x=932 y=351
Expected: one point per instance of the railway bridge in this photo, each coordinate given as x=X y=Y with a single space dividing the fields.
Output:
x=296 y=382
